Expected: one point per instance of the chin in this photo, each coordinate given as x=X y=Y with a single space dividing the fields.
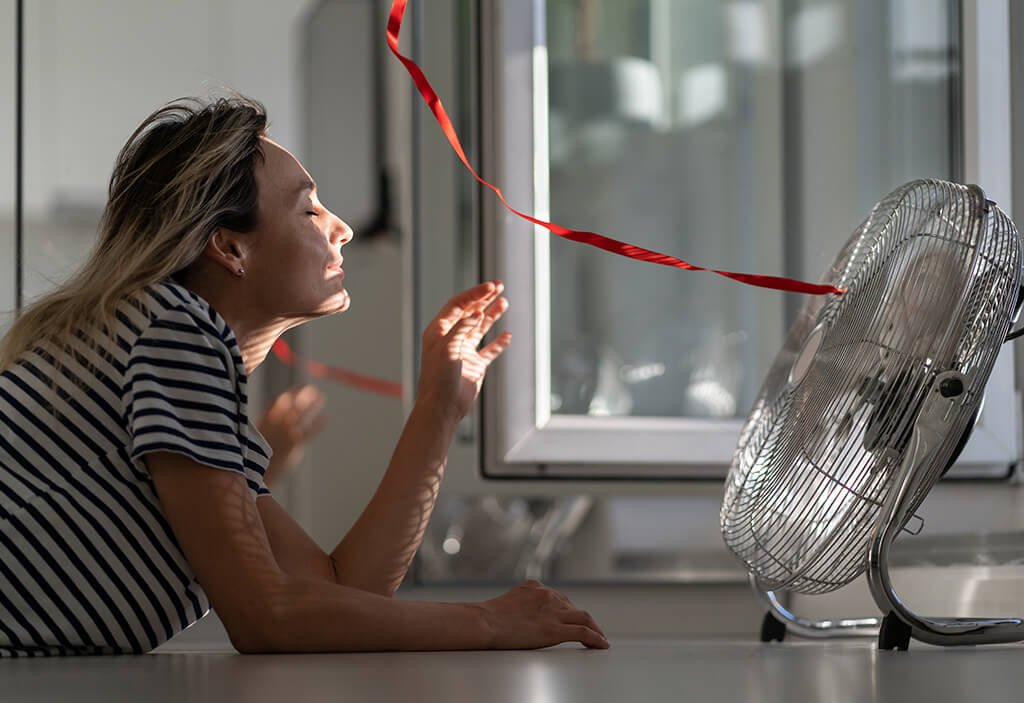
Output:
x=337 y=303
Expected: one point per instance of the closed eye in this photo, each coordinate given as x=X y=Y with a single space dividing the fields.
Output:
x=311 y=212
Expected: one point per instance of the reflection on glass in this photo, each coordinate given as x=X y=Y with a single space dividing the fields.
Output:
x=684 y=127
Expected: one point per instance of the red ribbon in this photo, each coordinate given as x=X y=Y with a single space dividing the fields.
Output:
x=592 y=238
x=333 y=373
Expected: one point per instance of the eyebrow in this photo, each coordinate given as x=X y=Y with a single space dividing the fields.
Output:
x=304 y=186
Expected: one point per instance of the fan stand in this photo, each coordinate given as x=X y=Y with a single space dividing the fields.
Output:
x=929 y=431
x=900 y=623
x=778 y=620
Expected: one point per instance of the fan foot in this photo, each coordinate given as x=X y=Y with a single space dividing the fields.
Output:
x=894 y=634
x=772 y=629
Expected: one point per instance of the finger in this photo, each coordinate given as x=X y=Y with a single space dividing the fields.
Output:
x=565 y=599
x=490 y=290
x=475 y=298
x=463 y=325
x=317 y=425
x=285 y=399
x=582 y=617
x=309 y=402
x=280 y=406
x=493 y=350
x=489 y=298
x=294 y=391
x=468 y=300
x=310 y=422
x=491 y=315
x=584 y=635
x=307 y=395
x=562 y=597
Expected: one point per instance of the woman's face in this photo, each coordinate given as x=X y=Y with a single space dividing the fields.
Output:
x=295 y=260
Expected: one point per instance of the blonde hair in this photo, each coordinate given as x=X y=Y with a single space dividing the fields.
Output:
x=187 y=170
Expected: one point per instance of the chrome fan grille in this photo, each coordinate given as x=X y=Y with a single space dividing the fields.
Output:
x=932 y=278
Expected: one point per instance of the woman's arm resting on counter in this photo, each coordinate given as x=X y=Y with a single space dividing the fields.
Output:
x=289 y=603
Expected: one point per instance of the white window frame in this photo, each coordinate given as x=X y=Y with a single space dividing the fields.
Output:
x=522 y=439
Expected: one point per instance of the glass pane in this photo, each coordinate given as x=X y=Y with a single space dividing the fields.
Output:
x=877 y=101
x=748 y=136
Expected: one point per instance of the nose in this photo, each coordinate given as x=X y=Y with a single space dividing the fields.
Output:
x=341 y=233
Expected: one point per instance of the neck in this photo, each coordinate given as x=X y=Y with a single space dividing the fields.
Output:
x=255 y=331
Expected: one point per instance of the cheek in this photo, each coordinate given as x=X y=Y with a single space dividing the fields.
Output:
x=298 y=252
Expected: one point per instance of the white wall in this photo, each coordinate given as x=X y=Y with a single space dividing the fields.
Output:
x=95 y=69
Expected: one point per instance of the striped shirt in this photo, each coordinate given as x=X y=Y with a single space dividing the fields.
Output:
x=88 y=561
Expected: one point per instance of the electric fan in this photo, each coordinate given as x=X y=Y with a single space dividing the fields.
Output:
x=870 y=400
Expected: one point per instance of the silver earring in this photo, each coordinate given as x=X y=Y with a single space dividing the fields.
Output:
x=241 y=271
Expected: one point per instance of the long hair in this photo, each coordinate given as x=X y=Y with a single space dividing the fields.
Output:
x=187 y=170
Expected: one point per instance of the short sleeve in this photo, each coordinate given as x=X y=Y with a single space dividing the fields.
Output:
x=257 y=457
x=182 y=395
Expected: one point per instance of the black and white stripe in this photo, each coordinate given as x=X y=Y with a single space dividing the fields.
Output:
x=88 y=562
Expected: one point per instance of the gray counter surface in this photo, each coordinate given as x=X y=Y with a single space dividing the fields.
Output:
x=633 y=670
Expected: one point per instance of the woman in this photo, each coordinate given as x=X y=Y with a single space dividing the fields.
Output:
x=132 y=492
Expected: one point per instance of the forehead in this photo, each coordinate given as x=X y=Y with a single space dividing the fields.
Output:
x=280 y=175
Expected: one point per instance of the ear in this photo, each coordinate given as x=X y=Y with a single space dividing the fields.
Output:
x=226 y=248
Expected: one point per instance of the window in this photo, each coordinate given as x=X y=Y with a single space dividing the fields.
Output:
x=751 y=135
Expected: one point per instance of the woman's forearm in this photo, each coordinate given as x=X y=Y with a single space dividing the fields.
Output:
x=377 y=551
x=308 y=615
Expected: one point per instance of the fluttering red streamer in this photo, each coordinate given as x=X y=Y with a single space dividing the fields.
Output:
x=334 y=373
x=592 y=238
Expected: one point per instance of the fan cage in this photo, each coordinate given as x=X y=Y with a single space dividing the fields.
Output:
x=932 y=276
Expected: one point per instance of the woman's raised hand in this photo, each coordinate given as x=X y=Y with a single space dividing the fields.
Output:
x=531 y=616
x=453 y=368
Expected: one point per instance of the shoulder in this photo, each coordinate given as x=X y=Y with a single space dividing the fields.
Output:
x=181 y=325
x=171 y=304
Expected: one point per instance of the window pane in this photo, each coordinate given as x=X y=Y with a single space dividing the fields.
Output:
x=750 y=136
